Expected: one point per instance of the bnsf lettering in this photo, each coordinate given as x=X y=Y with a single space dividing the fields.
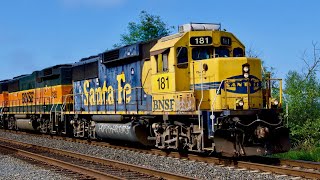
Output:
x=165 y=104
x=27 y=97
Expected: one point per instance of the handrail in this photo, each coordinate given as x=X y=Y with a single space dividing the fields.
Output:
x=53 y=105
x=280 y=89
x=212 y=105
x=55 y=114
x=199 y=112
x=1 y=112
x=215 y=97
x=65 y=101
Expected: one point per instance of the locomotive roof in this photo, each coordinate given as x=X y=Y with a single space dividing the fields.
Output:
x=5 y=81
x=167 y=41
x=86 y=60
x=19 y=77
x=58 y=66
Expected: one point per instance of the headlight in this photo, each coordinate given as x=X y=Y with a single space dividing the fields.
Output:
x=246 y=69
x=246 y=75
x=239 y=102
x=275 y=102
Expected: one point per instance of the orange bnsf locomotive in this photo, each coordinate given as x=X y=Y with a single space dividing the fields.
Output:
x=194 y=90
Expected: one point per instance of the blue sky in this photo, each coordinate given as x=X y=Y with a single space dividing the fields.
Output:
x=35 y=34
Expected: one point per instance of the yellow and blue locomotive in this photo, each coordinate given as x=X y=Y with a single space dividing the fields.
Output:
x=194 y=90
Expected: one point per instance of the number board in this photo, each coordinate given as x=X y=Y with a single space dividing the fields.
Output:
x=163 y=82
x=226 y=41
x=201 y=40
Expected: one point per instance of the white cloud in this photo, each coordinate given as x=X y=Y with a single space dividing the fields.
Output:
x=92 y=3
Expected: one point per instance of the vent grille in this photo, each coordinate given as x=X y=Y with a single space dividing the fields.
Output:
x=110 y=56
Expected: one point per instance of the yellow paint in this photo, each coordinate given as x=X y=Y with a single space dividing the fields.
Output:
x=163 y=82
x=86 y=93
x=146 y=77
x=120 y=78
x=127 y=92
x=220 y=69
x=190 y=77
x=110 y=95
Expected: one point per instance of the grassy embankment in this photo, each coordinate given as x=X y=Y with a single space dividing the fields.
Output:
x=312 y=154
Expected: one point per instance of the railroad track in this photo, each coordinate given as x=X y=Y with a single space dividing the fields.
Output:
x=303 y=169
x=83 y=166
x=45 y=165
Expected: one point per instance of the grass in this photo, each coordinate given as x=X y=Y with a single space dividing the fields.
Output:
x=306 y=155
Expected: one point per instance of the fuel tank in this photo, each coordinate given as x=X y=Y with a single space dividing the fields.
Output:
x=125 y=132
x=27 y=124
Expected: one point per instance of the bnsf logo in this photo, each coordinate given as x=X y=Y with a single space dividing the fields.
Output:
x=27 y=97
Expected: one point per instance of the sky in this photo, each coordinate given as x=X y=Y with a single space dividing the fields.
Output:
x=35 y=34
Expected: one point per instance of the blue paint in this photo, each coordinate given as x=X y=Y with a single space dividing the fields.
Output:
x=129 y=51
x=206 y=120
x=108 y=74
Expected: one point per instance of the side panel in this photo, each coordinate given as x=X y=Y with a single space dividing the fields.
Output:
x=116 y=90
x=4 y=99
x=38 y=100
x=22 y=101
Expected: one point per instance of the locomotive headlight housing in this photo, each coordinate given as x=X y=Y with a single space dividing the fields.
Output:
x=239 y=103
x=274 y=103
x=246 y=68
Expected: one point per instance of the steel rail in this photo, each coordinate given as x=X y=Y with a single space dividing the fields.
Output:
x=113 y=163
x=279 y=170
x=299 y=163
x=61 y=164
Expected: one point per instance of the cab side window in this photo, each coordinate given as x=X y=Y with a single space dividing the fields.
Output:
x=182 y=57
x=162 y=61
x=165 y=62
x=238 y=52
x=158 y=62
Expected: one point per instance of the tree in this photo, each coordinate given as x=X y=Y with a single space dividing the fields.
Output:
x=149 y=27
x=302 y=93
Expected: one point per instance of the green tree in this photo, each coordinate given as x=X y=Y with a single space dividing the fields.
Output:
x=149 y=27
x=302 y=94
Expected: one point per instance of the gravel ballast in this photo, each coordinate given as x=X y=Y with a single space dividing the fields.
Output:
x=13 y=168
x=197 y=170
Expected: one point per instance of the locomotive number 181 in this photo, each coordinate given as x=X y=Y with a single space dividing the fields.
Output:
x=201 y=40
x=163 y=83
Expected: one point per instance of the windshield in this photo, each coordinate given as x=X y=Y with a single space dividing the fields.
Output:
x=206 y=52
